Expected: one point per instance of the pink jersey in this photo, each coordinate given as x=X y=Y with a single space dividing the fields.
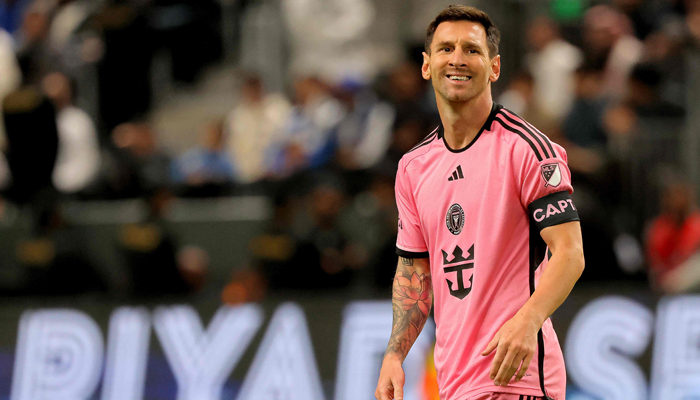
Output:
x=476 y=213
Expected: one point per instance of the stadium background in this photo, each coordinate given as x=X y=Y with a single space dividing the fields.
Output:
x=215 y=153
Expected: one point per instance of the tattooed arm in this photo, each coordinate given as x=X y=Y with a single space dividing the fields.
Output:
x=411 y=300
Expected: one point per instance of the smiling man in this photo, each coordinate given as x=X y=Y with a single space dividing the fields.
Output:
x=487 y=229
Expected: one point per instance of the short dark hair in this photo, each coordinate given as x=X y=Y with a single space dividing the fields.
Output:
x=465 y=13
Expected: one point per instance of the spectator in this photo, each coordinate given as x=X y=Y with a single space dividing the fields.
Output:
x=306 y=247
x=610 y=44
x=138 y=166
x=206 y=169
x=54 y=259
x=518 y=96
x=364 y=135
x=10 y=80
x=32 y=143
x=552 y=62
x=158 y=266
x=33 y=53
x=78 y=160
x=12 y=14
x=253 y=126
x=673 y=241
x=308 y=139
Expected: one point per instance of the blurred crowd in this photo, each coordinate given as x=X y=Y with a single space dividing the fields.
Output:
x=75 y=87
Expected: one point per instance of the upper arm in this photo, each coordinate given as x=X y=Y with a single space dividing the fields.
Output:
x=565 y=236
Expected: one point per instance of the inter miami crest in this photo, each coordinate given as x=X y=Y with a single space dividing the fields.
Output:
x=455 y=219
x=551 y=175
x=460 y=265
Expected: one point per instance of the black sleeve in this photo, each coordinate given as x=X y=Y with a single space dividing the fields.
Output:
x=553 y=209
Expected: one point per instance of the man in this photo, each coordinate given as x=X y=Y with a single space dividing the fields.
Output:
x=480 y=200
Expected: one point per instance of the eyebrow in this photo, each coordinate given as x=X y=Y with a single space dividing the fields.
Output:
x=467 y=44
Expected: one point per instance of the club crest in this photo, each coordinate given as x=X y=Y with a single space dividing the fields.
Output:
x=551 y=174
x=455 y=219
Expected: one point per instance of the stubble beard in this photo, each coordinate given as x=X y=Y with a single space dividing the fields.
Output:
x=459 y=96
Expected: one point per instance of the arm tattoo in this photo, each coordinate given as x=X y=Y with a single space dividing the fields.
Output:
x=411 y=303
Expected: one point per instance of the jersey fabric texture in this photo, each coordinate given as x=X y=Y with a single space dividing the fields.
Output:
x=477 y=213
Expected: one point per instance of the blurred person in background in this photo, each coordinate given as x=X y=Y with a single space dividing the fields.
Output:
x=609 y=43
x=157 y=264
x=32 y=143
x=137 y=165
x=552 y=62
x=12 y=14
x=33 y=52
x=364 y=134
x=254 y=124
x=308 y=138
x=205 y=170
x=305 y=247
x=54 y=259
x=519 y=95
x=78 y=160
x=673 y=241
x=10 y=80
x=123 y=64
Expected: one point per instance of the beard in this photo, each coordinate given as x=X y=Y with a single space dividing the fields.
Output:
x=463 y=95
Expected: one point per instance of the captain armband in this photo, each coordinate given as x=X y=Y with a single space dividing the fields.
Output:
x=553 y=209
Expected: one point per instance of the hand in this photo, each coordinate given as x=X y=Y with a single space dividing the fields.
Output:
x=515 y=343
x=391 y=380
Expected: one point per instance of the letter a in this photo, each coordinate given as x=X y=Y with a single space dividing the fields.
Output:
x=285 y=366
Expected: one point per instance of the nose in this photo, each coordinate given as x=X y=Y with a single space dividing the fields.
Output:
x=458 y=58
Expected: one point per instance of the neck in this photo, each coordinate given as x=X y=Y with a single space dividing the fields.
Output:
x=463 y=120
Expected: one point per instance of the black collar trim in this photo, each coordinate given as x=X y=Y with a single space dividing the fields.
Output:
x=487 y=125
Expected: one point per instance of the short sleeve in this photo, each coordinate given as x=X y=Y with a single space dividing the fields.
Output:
x=546 y=188
x=409 y=241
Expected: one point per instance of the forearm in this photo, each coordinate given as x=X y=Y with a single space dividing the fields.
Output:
x=556 y=282
x=412 y=299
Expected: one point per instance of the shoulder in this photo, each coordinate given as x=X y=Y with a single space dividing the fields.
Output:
x=421 y=149
x=524 y=139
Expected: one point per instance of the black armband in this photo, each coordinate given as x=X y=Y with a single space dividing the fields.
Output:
x=553 y=209
x=411 y=254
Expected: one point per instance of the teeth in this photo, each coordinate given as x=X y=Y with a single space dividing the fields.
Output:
x=459 y=78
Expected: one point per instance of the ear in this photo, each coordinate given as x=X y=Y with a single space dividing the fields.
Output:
x=425 y=68
x=495 y=69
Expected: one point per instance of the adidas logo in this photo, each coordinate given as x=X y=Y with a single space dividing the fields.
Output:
x=457 y=174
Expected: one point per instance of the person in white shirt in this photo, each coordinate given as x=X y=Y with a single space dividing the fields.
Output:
x=78 y=160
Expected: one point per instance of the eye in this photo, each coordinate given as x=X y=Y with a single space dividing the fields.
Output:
x=447 y=49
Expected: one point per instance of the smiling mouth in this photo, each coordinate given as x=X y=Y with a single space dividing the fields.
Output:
x=459 y=78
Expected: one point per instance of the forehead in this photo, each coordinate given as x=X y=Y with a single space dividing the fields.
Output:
x=456 y=31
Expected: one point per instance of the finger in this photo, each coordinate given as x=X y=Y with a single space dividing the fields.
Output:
x=398 y=389
x=513 y=367
x=505 y=366
x=491 y=346
x=524 y=366
x=384 y=393
x=501 y=351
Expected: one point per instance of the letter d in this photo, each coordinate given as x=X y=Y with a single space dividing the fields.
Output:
x=59 y=356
